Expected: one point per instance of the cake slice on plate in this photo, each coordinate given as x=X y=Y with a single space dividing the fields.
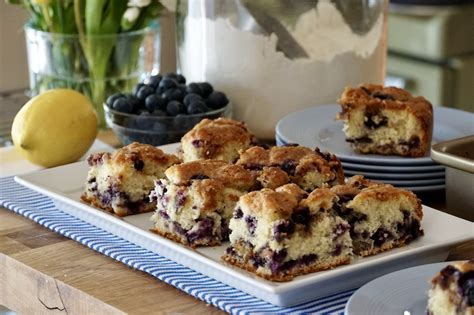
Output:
x=280 y=234
x=120 y=182
x=194 y=203
x=386 y=120
x=219 y=139
x=452 y=290
x=381 y=216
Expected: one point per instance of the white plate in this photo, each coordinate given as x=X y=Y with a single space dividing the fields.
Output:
x=393 y=169
x=401 y=292
x=316 y=127
x=64 y=185
x=382 y=176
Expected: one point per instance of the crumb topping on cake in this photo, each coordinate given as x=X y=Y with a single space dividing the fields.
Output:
x=221 y=139
x=228 y=174
x=134 y=154
x=273 y=203
x=305 y=167
x=272 y=177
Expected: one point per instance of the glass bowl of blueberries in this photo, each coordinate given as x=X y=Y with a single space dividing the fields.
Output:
x=163 y=108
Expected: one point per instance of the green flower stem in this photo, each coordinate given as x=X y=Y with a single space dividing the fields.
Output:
x=100 y=18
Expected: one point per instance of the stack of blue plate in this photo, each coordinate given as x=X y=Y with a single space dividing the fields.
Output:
x=317 y=127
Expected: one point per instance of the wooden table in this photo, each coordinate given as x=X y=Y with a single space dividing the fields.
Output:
x=43 y=272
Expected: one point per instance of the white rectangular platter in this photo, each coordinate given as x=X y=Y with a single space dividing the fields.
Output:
x=442 y=231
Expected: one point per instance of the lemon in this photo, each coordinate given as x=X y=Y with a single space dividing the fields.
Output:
x=55 y=127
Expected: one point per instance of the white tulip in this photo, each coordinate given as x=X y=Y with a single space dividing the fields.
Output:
x=131 y=14
x=138 y=3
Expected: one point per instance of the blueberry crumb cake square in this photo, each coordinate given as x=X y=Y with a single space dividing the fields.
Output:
x=120 y=182
x=194 y=203
x=218 y=139
x=381 y=216
x=280 y=234
x=386 y=120
x=452 y=290
x=307 y=168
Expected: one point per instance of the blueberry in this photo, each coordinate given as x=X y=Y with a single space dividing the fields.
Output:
x=174 y=108
x=197 y=107
x=171 y=75
x=159 y=127
x=193 y=88
x=283 y=230
x=301 y=216
x=251 y=224
x=289 y=166
x=111 y=99
x=159 y=113
x=135 y=102
x=199 y=177
x=238 y=213
x=307 y=259
x=181 y=79
x=187 y=123
x=168 y=83
x=144 y=91
x=217 y=100
x=143 y=112
x=191 y=98
x=182 y=88
x=180 y=122
x=144 y=121
x=154 y=80
x=137 y=88
x=468 y=287
x=173 y=95
x=206 y=88
x=159 y=90
x=153 y=102
x=122 y=105
x=380 y=236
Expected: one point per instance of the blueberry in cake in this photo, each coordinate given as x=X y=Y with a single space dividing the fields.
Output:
x=452 y=290
x=121 y=182
x=219 y=139
x=280 y=234
x=300 y=165
x=386 y=120
x=381 y=216
x=196 y=200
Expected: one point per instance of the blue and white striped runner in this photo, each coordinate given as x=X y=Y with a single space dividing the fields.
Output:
x=41 y=209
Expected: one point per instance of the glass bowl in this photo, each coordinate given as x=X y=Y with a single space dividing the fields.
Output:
x=156 y=130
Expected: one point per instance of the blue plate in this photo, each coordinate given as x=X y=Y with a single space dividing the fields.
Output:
x=403 y=292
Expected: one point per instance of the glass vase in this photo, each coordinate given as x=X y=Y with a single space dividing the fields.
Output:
x=274 y=57
x=96 y=66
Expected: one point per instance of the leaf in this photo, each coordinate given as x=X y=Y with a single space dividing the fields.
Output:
x=103 y=16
